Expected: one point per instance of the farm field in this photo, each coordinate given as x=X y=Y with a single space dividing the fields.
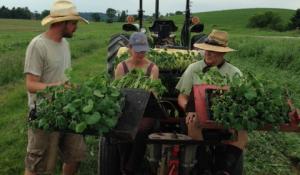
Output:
x=266 y=53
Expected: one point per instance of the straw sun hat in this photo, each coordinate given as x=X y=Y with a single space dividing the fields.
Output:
x=62 y=10
x=216 y=41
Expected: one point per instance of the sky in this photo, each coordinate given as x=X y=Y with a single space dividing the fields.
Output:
x=166 y=6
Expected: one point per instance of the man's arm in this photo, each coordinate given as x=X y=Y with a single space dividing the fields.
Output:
x=119 y=72
x=155 y=72
x=182 y=100
x=34 y=84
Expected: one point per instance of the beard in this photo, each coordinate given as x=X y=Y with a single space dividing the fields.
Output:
x=67 y=35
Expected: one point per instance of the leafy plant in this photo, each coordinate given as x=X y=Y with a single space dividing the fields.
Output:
x=269 y=20
x=93 y=105
x=250 y=104
x=167 y=61
x=213 y=76
x=173 y=61
x=137 y=79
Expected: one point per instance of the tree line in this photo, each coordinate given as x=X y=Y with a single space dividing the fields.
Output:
x=111 y=15
x=271 y=20
x=25 y=13
x=21 y=13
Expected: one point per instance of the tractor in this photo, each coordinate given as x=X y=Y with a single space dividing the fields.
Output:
x=161 y=33
x=161 y=36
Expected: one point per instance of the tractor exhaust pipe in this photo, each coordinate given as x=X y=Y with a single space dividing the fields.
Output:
x=185 y=33
x=141 y=15
x=156 y=9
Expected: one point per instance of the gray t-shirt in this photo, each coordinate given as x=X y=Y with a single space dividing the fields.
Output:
x=47 y=59
x=190 y=76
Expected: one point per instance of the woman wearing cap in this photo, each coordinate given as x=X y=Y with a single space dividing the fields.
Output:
x=132 y=154
x=228 y=156
x=47 y=58
x=138 y=47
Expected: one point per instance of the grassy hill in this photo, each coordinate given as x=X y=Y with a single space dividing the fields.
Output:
x=235 y=21
x=272 y=58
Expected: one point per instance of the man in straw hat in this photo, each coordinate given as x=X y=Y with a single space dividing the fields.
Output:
x=228 y=157
x=47 y=57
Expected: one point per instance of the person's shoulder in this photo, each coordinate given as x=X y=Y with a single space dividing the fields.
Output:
x=65 y=41
x=151 y=62
x=196 y=65
x=155 y=67
x=37 y=39
x=38 y=42
x=120 y=64
x=232 y=68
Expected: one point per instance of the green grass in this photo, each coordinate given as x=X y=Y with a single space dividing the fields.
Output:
x=272 y=58
x=263 y=57
x=235 y=21
x=89 y=46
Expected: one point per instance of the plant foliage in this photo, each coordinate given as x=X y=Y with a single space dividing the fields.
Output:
x=136 y=78
x=249 y=104
x=92 y=106
x=268 y=20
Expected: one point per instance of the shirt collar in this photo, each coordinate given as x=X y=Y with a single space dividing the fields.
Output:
x=207 y=67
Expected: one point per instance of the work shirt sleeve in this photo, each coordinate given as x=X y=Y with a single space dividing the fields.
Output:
x=185 y=83
x=33 y=60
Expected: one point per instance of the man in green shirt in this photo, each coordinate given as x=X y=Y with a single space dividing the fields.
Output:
x=47 y=58
x=229 y=154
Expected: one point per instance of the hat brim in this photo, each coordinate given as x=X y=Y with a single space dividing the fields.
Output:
x=50 y=20
x=209 y=47
x=140 y=48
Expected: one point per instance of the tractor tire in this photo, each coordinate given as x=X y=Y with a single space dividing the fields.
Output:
x=108 y=158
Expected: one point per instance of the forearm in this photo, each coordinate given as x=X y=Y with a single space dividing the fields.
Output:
x=33 y=87
x=182 y=101
x=34 y=84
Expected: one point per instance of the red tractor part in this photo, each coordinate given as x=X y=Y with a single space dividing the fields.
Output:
x=201 y=103
x=173 y=163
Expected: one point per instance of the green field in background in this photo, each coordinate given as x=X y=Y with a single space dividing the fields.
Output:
x=263 y=52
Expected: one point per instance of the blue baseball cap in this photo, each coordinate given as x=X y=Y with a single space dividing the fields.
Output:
x=139 y=42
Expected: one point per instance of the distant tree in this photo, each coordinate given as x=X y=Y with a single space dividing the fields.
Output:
x=118 y=14
x=36 y=15
x=45 y=13
x=267 y=20
x=25 y=13
x=123 y=16
x=295 y=20
x=96 y=17
x=19 y=13
x=111 y=13
x=171 y=14
x=4 y=12
x=178 y=13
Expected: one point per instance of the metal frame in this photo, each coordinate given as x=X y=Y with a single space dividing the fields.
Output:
x=185 y=33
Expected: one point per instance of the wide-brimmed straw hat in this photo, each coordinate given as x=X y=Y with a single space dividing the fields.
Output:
x=62 y=10
x=216 y=41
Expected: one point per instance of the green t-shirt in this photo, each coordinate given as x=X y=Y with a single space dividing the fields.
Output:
x=190 y=76
x=47 y=59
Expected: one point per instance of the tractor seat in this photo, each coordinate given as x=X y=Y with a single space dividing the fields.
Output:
x=155 y=35
x=163 y=28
